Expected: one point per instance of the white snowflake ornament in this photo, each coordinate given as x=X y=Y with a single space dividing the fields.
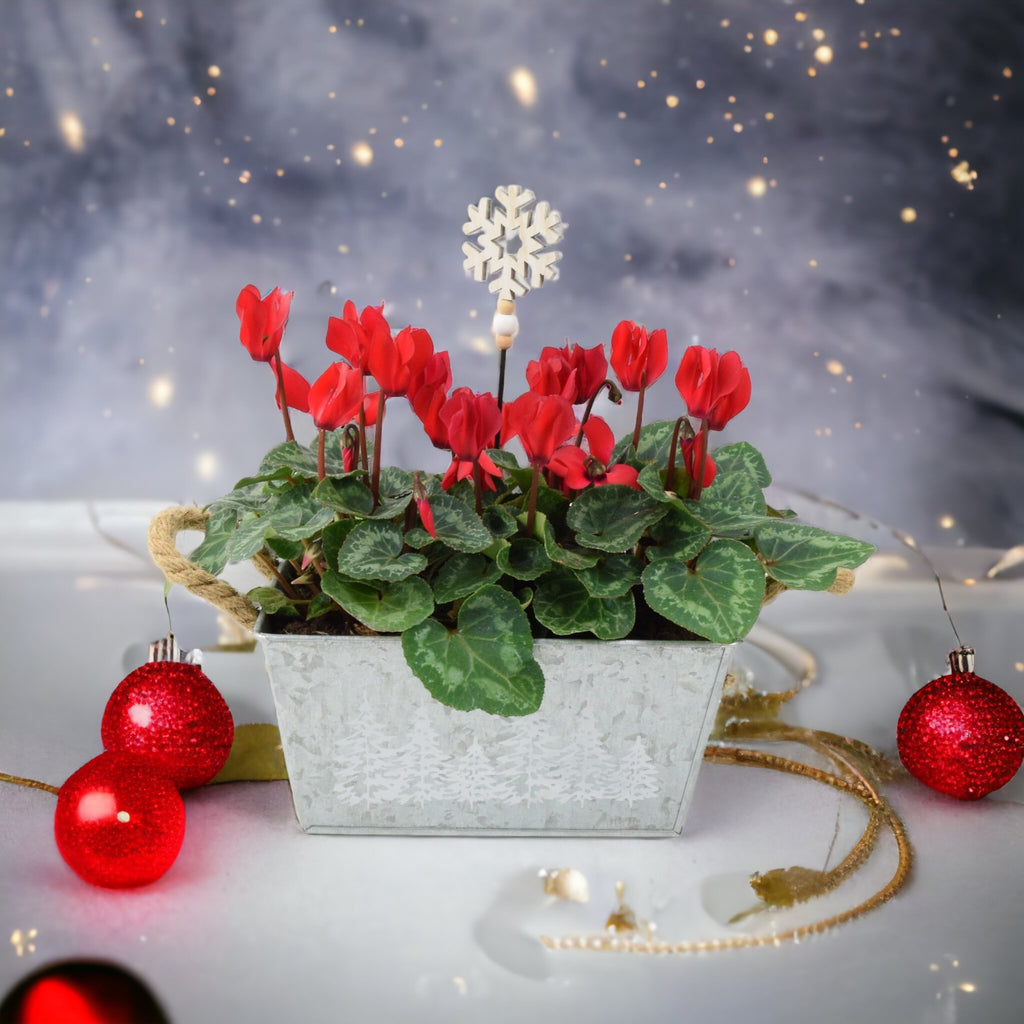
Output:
x=514 y=234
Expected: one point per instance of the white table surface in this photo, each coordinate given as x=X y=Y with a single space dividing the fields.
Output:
x=258 y=922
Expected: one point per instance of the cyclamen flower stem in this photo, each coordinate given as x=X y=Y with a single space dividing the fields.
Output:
x=478 y=490
x=283 y=398
x=363 y=458
x=639 y=413
x=531 y=509
x=375 y=476
x=670 y=473
x=612 y=389
x=321 y=455
x=281 y=581
x=697 y=480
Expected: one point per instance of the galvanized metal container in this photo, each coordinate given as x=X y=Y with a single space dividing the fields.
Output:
x=613 y=751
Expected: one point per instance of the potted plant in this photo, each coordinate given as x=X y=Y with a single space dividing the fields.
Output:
x=535 y=638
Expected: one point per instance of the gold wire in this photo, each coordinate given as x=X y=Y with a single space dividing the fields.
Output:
x=17 y=780
x=879 y=809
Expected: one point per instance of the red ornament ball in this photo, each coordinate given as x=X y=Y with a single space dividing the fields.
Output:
x=169 y=712
x=961 y=735
x=119 y=822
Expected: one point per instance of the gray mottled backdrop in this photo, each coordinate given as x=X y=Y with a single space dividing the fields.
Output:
x=831 y=187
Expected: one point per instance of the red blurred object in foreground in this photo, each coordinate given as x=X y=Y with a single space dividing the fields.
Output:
x=960 y=734
x=170 y=713
x=119 y=822
x=80 y=992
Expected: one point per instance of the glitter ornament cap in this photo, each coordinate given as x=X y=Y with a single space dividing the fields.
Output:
x=960 y=734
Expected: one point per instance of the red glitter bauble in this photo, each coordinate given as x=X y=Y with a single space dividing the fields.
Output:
x=119 y=822
x=169 y=712
x=961 y=735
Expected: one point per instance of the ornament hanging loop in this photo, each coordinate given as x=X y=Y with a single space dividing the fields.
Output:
x=961 y=661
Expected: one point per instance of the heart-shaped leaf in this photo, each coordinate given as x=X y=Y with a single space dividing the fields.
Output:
x=284 y=548
x=655 y=439
x=347 y=494
x=463 y=574
x=571 y=557
x=459 y=526
x=805 y=557
x=725 y=519
x=271 y=600
x=290 y=455
x=500 y=521
x=333 y=537
x=741 y=478
x=719 y=598
x=384 y=607
x=212 y=552
x=613 y=576
x=320 y=605
x=564 y=605
x=679 y=535
x=486 y=663
x=523 y=558
x=373 y=551
x=612 y=518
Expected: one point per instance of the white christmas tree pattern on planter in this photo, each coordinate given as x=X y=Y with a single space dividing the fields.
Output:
x=486 y=766
x=514 y=234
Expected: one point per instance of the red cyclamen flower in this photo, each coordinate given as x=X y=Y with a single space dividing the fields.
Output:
x=542 y=423
x=349 y=335
x=638 y=358
x=335 y=396
x=578 y=469
x=575 y=374
x=471 y=422
x=263 y=320
x=715 y=388
x=396 y=362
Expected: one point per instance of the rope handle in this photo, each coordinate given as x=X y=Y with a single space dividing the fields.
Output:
x=164 y=528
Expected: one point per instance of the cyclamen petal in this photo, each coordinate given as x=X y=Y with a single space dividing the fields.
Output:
x=335 y=396
x=541 y=422
x=263 y=320
x=296 y=389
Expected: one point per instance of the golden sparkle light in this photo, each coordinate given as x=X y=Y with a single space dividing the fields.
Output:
x=757 y=187
x=823 y=54
x=523 y=85
x=362 y=154
x=22 y=941
x=908 y=215
x=771 y=37
x=963 y=175
x=72 y=130
x=160 y=392
x=207 y=465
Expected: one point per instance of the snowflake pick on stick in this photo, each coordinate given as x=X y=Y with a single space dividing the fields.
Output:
x=514 y=234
